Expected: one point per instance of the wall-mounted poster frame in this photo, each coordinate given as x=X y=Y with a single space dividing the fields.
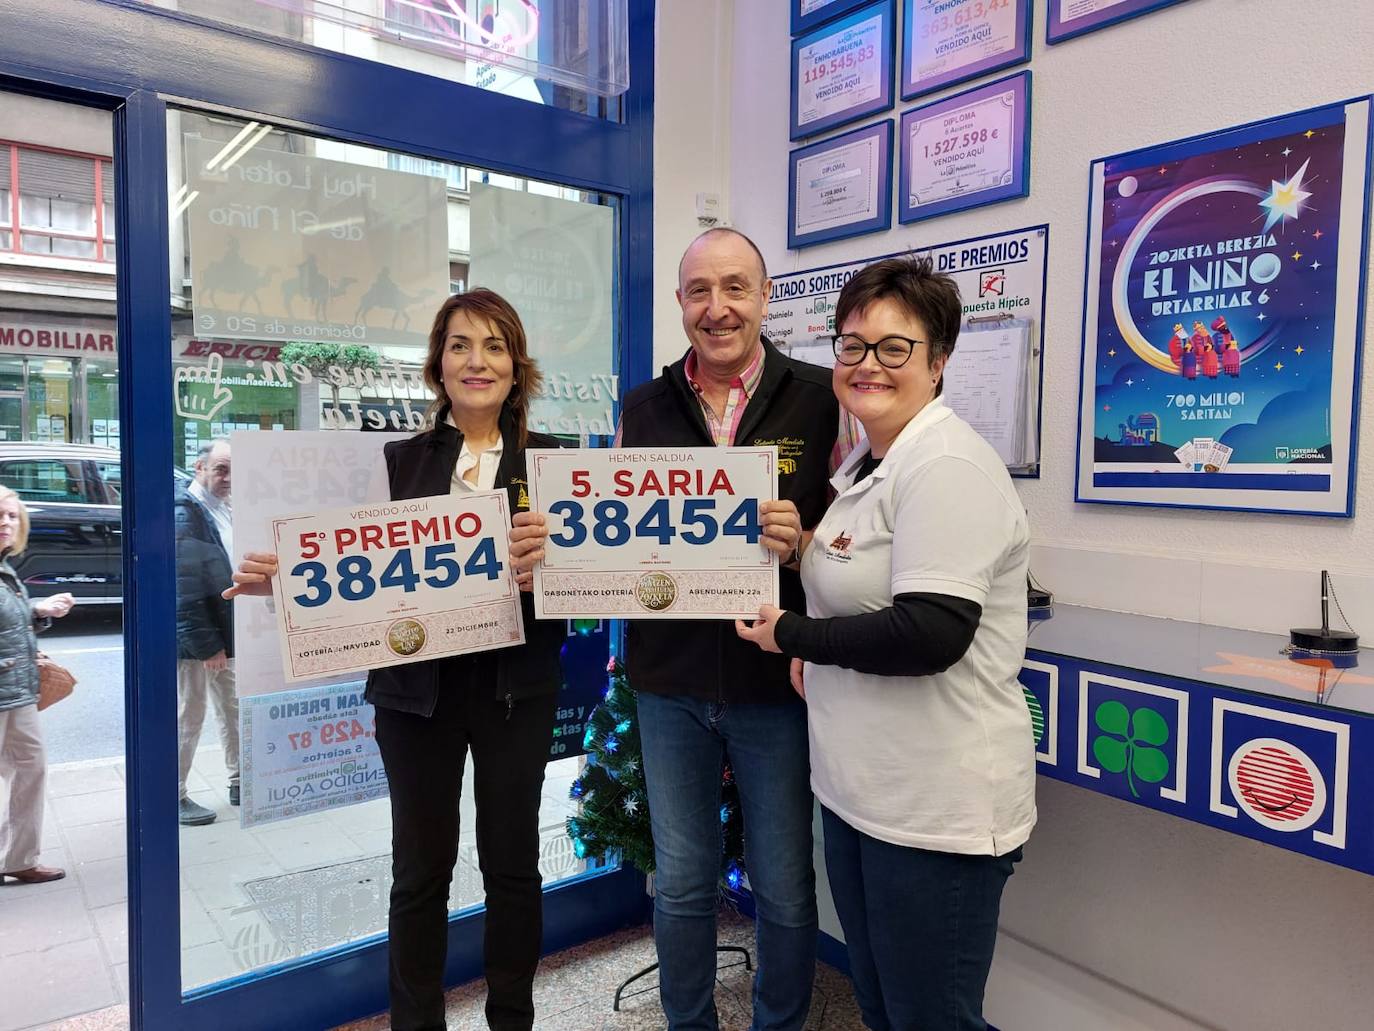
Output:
x=807 y=14
x=843 y=70
x=840 y=187
x=947 y=43
x=979 y=138
x=1222 y=318
x=1065 y=19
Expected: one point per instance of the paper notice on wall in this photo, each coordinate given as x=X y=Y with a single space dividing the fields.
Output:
x=553 y=260
x=296 y=247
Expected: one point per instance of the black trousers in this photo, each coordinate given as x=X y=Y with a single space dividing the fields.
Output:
x=424 y=759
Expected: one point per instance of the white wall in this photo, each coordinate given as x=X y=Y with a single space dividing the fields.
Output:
x=693 y=104
x=1197 y=67
x=49 y=123
x=1119 y=917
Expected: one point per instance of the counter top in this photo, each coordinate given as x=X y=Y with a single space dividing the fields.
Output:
x=1244 y=660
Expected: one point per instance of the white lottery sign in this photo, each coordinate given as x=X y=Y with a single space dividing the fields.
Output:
x=643 y=533
x=394 y=582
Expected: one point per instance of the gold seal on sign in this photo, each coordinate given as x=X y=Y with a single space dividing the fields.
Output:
x=656 y=591
x=406 y=636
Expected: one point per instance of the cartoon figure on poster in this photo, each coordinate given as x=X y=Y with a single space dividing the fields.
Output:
x=1217 y=289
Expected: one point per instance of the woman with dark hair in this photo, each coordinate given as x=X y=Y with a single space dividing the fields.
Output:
x=922 y=755
x=499 y=704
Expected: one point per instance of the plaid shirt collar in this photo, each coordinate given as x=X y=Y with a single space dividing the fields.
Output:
x=742 y=388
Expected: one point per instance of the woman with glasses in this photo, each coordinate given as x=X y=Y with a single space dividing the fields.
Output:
x=922 y=754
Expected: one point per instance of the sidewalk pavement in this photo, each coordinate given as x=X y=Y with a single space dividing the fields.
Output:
x=248 y=897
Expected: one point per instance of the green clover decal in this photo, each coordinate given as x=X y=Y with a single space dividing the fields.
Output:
x=1128 y=744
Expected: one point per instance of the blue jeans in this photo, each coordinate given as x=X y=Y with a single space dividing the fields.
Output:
x=685 y=742
x=919 y=926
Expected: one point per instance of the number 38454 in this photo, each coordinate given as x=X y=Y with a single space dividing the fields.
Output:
x=353 y=577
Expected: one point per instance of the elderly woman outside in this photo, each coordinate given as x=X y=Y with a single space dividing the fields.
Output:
x=922 y=754
x=23 y=764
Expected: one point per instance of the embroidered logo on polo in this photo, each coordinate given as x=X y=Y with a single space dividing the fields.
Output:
x=790 y=449
x=1286 y=771
x=838 y=549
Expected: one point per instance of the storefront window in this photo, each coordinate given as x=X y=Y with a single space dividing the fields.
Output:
x=50 y=400
x=567 y=53
x=313 y=270
x=60 y=202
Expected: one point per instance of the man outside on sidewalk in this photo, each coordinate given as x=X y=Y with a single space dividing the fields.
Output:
x=205 y=622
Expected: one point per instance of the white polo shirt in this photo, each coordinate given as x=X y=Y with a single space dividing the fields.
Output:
x=944 y=762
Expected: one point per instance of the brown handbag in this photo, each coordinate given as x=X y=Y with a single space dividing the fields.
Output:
x=55 y=682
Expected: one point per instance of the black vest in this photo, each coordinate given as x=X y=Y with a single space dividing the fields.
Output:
x=420 y=467
x=794 y=408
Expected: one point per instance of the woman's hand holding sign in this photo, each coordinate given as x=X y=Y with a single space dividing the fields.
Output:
x=254 y=575
x=527 y=534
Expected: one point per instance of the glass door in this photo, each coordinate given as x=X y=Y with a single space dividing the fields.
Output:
x=311 y=273
x=63 y=940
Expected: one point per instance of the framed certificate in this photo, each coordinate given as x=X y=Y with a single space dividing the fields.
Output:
x=949 y=41
x=967 y=150
x=645 y=533
x=394 y=582
x=1065 y=19
x=840 y=187
x=807 y=14
x=843 y=70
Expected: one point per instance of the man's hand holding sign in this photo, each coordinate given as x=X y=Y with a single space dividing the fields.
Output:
x=678 y=533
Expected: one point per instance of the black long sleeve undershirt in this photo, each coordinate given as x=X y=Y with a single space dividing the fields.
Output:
x=917 y=635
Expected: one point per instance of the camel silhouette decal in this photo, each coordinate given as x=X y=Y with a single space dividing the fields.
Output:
x=385 y=295
x=230 y=274
x=314 y=287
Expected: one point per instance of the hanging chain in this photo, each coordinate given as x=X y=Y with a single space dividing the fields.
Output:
x=1331 y=589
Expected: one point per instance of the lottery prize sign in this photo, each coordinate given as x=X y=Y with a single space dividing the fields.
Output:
x=645 y=533
x=385 y=584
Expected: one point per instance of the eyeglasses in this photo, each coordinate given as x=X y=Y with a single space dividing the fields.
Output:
x=891 y=352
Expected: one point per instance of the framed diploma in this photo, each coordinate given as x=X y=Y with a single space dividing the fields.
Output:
x=843 y=70
x=840 y=187
x=807 y=14
x=967 y=150
x=645 y=533
x=395 y=582
x=949 y=41
x=1065 y=19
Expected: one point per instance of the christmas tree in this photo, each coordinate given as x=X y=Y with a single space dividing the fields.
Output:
x=613 y=811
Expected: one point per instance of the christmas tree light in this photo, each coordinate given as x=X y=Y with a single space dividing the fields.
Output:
x=613 y=814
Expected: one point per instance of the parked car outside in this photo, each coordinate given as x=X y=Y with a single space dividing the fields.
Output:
x=76 y=534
